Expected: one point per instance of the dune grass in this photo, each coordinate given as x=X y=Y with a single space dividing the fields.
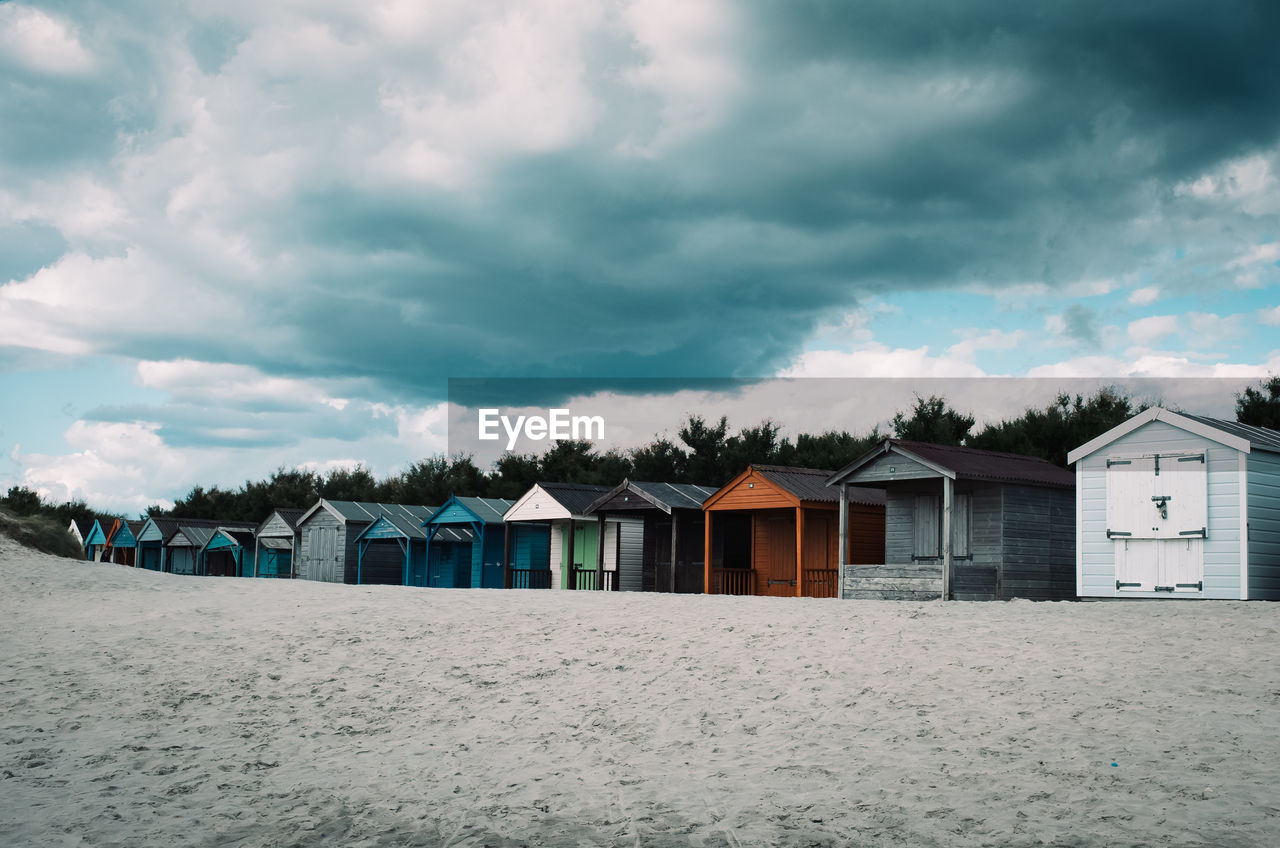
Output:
x=41 y=533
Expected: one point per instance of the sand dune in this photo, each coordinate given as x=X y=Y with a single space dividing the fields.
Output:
x=150 y=709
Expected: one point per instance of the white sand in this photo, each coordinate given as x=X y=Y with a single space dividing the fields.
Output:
x=150 y=709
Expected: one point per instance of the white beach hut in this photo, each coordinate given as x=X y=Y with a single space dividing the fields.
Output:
x=1176 y=505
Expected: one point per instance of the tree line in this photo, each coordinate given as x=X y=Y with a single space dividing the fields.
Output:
x=704 y=452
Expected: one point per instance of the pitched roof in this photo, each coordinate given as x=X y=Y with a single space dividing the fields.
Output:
x=200 y=531
x=661 y=496
x=574 y=497
x=1241 y=437
x=1259 y=438
x=969 y=464
x=810 y=484
x=409 y=523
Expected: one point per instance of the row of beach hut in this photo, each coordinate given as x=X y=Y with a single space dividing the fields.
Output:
x=1165 y=505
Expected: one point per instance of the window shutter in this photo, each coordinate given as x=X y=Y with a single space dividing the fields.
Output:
x=927 y=526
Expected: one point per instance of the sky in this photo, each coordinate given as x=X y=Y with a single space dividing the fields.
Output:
x=237 y=235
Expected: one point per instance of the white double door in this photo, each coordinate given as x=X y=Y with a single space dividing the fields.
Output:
x=1157 y=517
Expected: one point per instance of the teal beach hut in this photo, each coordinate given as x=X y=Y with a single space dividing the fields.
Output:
x=477 y=564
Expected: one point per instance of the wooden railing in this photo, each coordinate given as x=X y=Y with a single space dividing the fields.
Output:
x=584 y=577
x=530 y=578
x=733 y=581
x=821 y=582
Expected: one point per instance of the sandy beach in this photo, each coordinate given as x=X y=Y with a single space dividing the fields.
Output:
x=147 y=709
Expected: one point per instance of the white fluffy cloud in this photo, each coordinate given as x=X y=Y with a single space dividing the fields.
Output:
x=1148 y=331
x=40 y=41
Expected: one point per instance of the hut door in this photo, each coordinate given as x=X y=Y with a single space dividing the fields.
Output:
x=1175 y=566
x=781 y=572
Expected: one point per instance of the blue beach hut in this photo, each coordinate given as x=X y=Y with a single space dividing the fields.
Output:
x=477 y=564
x=393 y=549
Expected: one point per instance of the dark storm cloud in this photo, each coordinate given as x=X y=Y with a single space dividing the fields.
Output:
x=868 y=148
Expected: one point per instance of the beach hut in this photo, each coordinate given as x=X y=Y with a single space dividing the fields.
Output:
x=227 y=553
x=773 y=530
x=477 y=564
x=123 y=542
x=183 y=549
x=276 y=543
x=327 y=533
x=964 y=523
x=95 y=541
x=1173 y=505
x=671 y=520
x=393 y=549
x=552 y=543
x=80 y=528
x=153 y=539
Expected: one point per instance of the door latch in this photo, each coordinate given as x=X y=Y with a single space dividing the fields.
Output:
x=1162 y=504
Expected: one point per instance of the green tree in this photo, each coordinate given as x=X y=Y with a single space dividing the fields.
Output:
x=932 y=420
x=23 y=501
x=349 y=484
x=1067 y=423
x=1260 y=406
x=659 y=461
x=706 y=445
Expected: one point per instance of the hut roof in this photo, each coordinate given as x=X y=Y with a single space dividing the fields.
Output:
x=1242 y=437
x=661 y=496
x=961 y=463
x=574 y=497
x=410 y=526
x=807 y=484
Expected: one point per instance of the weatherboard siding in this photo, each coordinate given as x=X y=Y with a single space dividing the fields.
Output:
x=1263 y=506
x=323 y=540
x=878 y=471
x=1222 y=565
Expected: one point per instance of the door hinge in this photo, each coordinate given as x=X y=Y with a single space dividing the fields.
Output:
x=1199 y=458
x=1202 y=533
x=1120 y=585
x=1111 y=462
x=1199 y=587
x=1111 y=534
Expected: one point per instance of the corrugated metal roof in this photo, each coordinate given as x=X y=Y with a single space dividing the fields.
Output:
x=488 y=510
x=170 y=527
x=575 y=497
x=408 y=519
x=289 y=516
x=676 y=495
x=975 y=464
x=1259 y=438
x=810 y=484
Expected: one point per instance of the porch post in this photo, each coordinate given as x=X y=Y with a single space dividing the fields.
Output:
x=600 y=552
x=799 y=552
x=675 y=545
x=257 y=552
x=948 y=495
x=706 y=552
x=843 y=558
x=570 y=579
x=506 y=554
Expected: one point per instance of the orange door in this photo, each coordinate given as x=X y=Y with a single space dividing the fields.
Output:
x=780 y=571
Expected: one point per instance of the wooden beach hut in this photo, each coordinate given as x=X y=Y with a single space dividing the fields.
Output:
x=227 y=553
x=328 y=550
x=80 y=528
x=123 y=542
x=276 y=543
x=964 y=523
x=95 y=541
x=1172 y=505
x=393 y=550
x=670 y=516
x=477 y=564
x=552 y=543
x=774 y=530
x=182 y=550
x=153 y=541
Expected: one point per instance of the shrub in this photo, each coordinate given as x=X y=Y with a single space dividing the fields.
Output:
x=42 y=533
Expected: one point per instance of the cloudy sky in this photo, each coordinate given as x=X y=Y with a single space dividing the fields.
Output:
x=235 y=235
